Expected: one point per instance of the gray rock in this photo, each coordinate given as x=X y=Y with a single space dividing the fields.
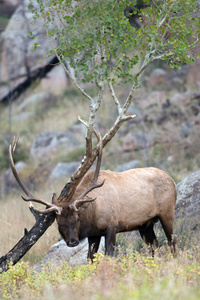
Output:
x=187 y=211
x=188 y=197
x=23 y=116
x=47 y=142
x=138 y=141
x=64 y=169
x=186 y=129
x=127 y=166
x=60 y=253
x=9 y=180
x=34 y=99
x=158 y=77
x=17 y=47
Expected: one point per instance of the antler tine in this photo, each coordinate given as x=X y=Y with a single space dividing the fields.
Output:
x=94 y=184
x=37 y=200
x=16 y=175
x=100 y=150
x=31 y=197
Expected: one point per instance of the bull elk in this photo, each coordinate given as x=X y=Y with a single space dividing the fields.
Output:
x=105 y=203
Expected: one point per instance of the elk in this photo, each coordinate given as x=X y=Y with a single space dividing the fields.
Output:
x=105 y=203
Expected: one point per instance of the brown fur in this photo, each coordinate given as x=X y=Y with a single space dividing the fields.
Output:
x=130 y=200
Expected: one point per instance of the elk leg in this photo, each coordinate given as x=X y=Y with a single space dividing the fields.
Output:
x=168 y=229
x=93 y=246
x=149 y=237
x=110 y=239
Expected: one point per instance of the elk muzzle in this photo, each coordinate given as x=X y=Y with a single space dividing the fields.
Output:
x=72 y=243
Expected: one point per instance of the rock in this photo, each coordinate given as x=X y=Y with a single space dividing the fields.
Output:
x=187 y=211
x=193 y=76
x=137 y=141
x=48 y=142
x=60 y=253
x=188 y=197
x=23 y=116
x=7 y=7
x=78 y=129
x=158 y=77
x=17 y=47
x=186 y=129
x=62 y=170
x=154 y=98
x=9 y=180
x=127 y=166
x=41 y=98
x=181 y=98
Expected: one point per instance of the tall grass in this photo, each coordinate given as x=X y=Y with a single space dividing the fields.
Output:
x=127 y=277
x=134 y=276
x=131 y=276
x=14 y=217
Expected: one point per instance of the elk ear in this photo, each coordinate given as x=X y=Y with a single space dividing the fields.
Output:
x=85 y=203
x=54 y=199
x=55 y=203
x=84 y=206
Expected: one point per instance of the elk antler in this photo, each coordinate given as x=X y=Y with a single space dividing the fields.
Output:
x=94 y=184
x=31 y=197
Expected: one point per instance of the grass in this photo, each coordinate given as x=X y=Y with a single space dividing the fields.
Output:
x=14 y=217
x=131 y=276
x=134 y=276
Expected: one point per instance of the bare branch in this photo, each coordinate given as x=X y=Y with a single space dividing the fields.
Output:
x=114 y=97
x=67 y=71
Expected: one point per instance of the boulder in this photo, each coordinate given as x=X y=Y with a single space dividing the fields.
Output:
x=47 y=143
x=188 y=197
x=62 y=170
x=9 y=180
x=41 y=98
x=187 y=211
x=127 y=166
x=186 y=129
x=138 y=141
x=60 y=253
x=17 y=47
x=158 y=77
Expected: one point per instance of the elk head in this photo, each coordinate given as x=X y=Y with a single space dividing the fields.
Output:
x=67 y=212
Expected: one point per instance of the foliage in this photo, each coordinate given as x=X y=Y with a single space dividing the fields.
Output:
x=134 y=276
x=100 y=44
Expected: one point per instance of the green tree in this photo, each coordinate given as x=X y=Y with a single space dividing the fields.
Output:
x=98 y=42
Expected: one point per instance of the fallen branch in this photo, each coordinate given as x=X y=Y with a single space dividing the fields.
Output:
x=22 y=87
x=28 y=240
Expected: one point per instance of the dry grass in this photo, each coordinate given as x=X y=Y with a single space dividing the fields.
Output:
x=132 y=277
x=14 y=217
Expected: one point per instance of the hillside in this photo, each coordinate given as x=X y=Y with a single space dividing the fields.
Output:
x=164 y=134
